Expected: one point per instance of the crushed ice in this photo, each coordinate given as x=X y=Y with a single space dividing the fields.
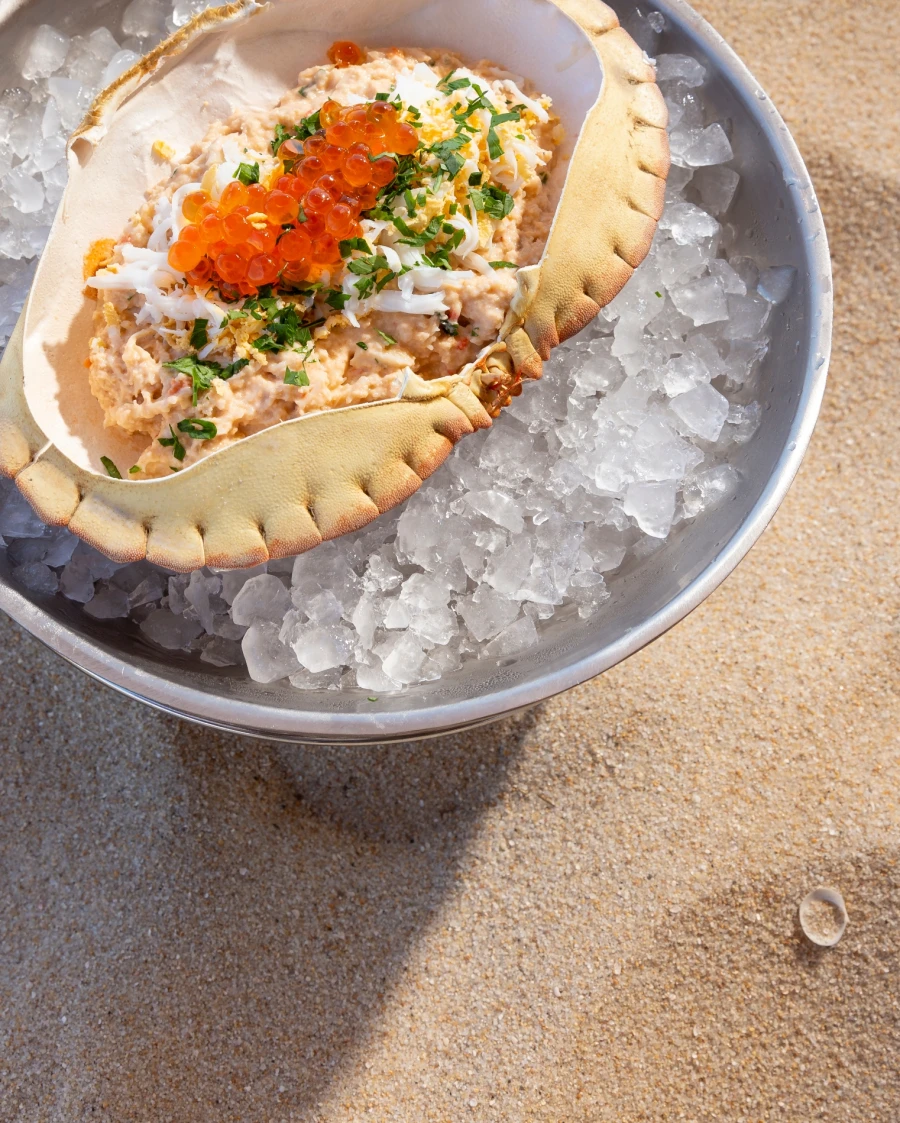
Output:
x=626 y=436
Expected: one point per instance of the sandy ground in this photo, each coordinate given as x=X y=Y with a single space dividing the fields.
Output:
x=585 y=914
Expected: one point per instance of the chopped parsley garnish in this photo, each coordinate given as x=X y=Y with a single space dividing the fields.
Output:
x=306 y=128
x=111 y=469
x=448 y=154
x=363 y=266
x=448 y=327
x=382 y=97
x=410 y=203
x=659 y=294
x=411 y=238
x=389 y=339
x=362 y=346
x=502 y=118
x=174 y=444
x=336 y=299
x=247 y=173
x=493 y=201
x=202 y=371
x=475 y=179
x=285 y=331
x=133 y=469
x=350 y=244
x=448 y=84
x=296 y=377
x=199 y=334
x=503 y=265
x=197 y=428
x=495 y=148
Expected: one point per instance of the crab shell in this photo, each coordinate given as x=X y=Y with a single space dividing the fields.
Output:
x=288 y=488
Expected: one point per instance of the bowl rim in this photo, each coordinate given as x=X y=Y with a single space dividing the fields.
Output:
x=304 y=726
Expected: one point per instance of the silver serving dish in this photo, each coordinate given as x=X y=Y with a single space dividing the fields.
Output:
x=778 y=221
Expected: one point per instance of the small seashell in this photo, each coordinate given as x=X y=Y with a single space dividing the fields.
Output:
x=823 y=916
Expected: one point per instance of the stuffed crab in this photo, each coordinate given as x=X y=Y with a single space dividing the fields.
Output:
x=270 y=306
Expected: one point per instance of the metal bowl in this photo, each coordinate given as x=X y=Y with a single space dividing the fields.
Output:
x=778 y=222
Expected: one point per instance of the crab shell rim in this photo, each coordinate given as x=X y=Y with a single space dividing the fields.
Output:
x=347 y=466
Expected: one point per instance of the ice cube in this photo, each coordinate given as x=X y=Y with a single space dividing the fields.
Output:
x=652 y=506
x=743 y=421
x=72 y=100
x=319 y=648
x=707 y=147
x=733 y=283
x=102 y=44
x=36 y=577
x=420 y=593
x=117 y=65
x=703 y=410
x=704 y=300
x=108 y=604
x=498 y=507
x=659 y=454
x=374 y=679
x=167 y=630
x=486 y=612
x=709 y=489
x=588 y=590
x=606 y=547
x=775 y=283
x=197 y=594
x=267 y=658
x=381 y=575
x=26 y=193
x=144 y=19
x=148 y=591
x=404 y=659
x=683 y=68
x=324 y=608
x=689 y=224
x=23 y=550
x=508 y=569
x=683 y=373
x=233 y=580
x=46 y=53
x=261 y=599
x=366 y=618
x=515 y=638
x=76 y=582
x=716 y=187
x=185 y=10
x=18 y=518
x=434 y=625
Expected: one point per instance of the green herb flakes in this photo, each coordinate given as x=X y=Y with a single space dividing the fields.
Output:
x=296 y=377
x=111 y=469
x=199 y=334
x=388 y=339
x=197 y=428
x=362 y=346
x=493 y=201
x=503 y=265
x=174 y=444
x=247 y=173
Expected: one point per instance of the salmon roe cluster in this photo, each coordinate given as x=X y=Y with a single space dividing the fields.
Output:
x=255 y=236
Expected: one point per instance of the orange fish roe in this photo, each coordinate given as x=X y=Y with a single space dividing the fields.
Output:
x=344 y=53
x=255 y=236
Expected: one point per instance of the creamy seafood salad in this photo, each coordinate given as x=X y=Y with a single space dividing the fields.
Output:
x=311 y=256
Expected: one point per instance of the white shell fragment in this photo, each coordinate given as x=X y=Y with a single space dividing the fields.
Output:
x=823 y=916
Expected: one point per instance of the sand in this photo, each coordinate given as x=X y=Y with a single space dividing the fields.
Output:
x=589 y=913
